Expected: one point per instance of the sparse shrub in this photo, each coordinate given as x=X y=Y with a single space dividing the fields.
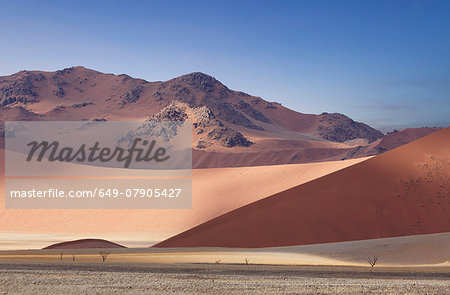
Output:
x=372 y=261
x=104 y=255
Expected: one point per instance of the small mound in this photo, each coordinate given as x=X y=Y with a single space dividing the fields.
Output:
x=85 y=244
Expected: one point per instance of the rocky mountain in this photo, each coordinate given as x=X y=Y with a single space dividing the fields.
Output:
x=225 y=121
x=72 y=90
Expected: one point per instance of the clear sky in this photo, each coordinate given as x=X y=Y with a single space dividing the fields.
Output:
x=386 y=63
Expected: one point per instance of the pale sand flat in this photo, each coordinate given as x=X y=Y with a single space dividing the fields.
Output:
x=431 y=250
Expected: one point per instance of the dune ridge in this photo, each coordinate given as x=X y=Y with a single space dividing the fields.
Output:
x=215 y=192
x=401 y=192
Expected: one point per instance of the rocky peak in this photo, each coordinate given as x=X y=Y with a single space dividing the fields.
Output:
x=199 y=80
x=340 y=128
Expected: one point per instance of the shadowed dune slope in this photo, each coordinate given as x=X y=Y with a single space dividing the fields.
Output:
x=401 y=192
x=85 y=244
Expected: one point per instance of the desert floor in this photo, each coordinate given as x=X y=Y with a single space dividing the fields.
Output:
x=106 y=278
x=432 y=250
x=406 y=265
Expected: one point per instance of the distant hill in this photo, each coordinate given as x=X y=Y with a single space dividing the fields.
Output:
x=391 y=141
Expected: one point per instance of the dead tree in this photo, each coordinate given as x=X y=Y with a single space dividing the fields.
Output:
x=61 y=256
x=372 y=261
x=247 y=261
x=104 y=255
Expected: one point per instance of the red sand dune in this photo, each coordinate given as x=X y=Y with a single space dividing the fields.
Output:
x=401 y=192
x=214 y=192
x=85 y=244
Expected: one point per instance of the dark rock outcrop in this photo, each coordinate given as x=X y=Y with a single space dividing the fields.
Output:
x=340 y=128
x=133 y=95
x=20 y=90
x=229 y=137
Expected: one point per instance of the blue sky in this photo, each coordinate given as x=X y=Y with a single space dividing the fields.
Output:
x=386 y=63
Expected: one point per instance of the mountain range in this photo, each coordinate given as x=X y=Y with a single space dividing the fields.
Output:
x=230 y=128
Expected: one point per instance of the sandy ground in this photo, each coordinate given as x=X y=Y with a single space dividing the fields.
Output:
x=407 y=265
x=413 y=251
x=75 y=278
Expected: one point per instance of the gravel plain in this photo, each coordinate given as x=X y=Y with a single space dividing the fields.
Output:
x=98 y=278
